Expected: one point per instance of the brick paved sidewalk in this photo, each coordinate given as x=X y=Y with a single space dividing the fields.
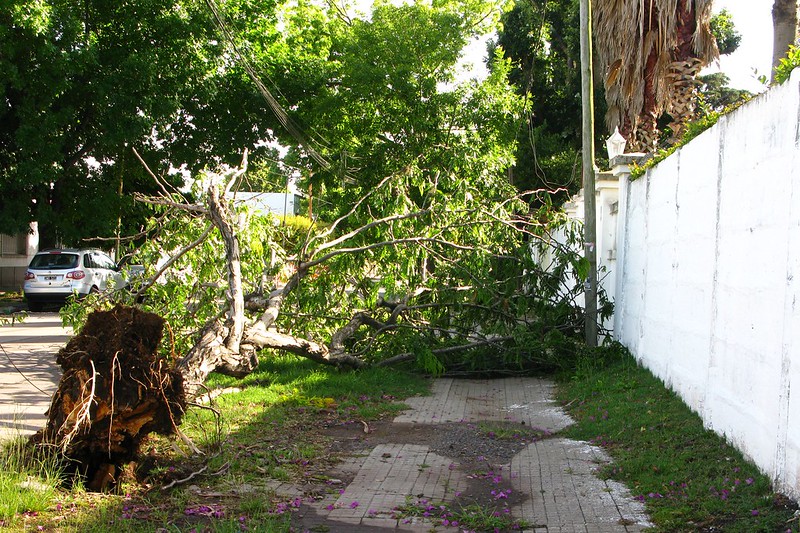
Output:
x=563 y=495
x=28 y=372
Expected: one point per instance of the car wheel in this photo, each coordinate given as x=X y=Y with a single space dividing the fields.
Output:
x=35 y=307
x=94 y=290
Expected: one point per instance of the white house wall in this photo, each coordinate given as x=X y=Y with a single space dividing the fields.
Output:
x=14 y=265
x=708 y=277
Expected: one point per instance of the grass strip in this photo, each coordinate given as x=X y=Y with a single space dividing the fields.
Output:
x=689 y=478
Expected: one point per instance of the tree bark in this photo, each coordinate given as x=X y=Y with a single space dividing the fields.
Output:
x=784 y=23
x=221 y=216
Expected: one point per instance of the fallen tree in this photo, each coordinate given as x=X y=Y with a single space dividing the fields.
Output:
x=421 y=285
x=483 y=288
x=420 y=250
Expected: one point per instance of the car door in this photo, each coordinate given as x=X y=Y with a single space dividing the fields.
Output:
x=113 y=278
x=94 y=277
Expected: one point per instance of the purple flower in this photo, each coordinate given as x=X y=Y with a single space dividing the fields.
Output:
x=754 y=512
x=353 y=505
x=749 y=481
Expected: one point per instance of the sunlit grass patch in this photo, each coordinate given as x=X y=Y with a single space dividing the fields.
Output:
x=689 y=478
x=269 y=426
x=28 y=481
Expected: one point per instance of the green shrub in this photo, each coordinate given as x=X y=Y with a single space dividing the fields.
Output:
x=787 y=65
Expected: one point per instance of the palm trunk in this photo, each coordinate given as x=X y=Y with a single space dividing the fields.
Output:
x=784 y=22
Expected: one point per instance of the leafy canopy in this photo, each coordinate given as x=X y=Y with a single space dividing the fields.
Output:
x=542 y=40
x=412 y=207
x=84 y=82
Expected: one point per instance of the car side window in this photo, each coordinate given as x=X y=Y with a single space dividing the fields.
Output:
x=101 y=260
x=107 y=262
x=87 y=261
x=97 y=259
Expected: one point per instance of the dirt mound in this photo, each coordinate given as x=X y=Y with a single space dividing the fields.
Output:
x=115 y=389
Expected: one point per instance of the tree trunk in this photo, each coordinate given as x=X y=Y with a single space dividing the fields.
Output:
x=784 y=23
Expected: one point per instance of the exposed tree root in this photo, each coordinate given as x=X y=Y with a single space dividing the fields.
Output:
x=114 y=390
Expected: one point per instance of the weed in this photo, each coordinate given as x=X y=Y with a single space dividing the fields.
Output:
x=505 y=431
x=28 y=481
x=471 y=517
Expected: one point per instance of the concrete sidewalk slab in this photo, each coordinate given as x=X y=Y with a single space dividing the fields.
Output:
x=566 y=494
x=29 y=374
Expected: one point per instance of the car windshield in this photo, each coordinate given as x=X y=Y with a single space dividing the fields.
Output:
x=55 y=261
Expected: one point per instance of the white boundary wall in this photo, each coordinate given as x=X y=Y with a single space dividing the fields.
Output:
x=708 y=277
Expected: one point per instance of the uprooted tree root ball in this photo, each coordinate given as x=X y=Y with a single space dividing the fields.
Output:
x=114 y=391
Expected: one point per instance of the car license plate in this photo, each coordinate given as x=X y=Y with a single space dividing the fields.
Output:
x=50 y=278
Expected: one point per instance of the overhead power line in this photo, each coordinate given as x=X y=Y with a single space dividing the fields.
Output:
x=280 y=113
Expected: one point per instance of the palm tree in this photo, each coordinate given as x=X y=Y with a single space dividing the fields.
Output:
x=784 y=22
x=650 y=52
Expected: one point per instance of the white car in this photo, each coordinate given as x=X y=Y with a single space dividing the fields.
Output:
x=54 y=275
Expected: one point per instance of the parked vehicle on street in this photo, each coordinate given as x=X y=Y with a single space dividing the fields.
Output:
x=54 y=275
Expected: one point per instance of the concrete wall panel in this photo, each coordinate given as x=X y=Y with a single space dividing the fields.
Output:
x=709 y=297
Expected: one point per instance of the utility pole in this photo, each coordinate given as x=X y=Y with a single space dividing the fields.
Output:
x=589 y=223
